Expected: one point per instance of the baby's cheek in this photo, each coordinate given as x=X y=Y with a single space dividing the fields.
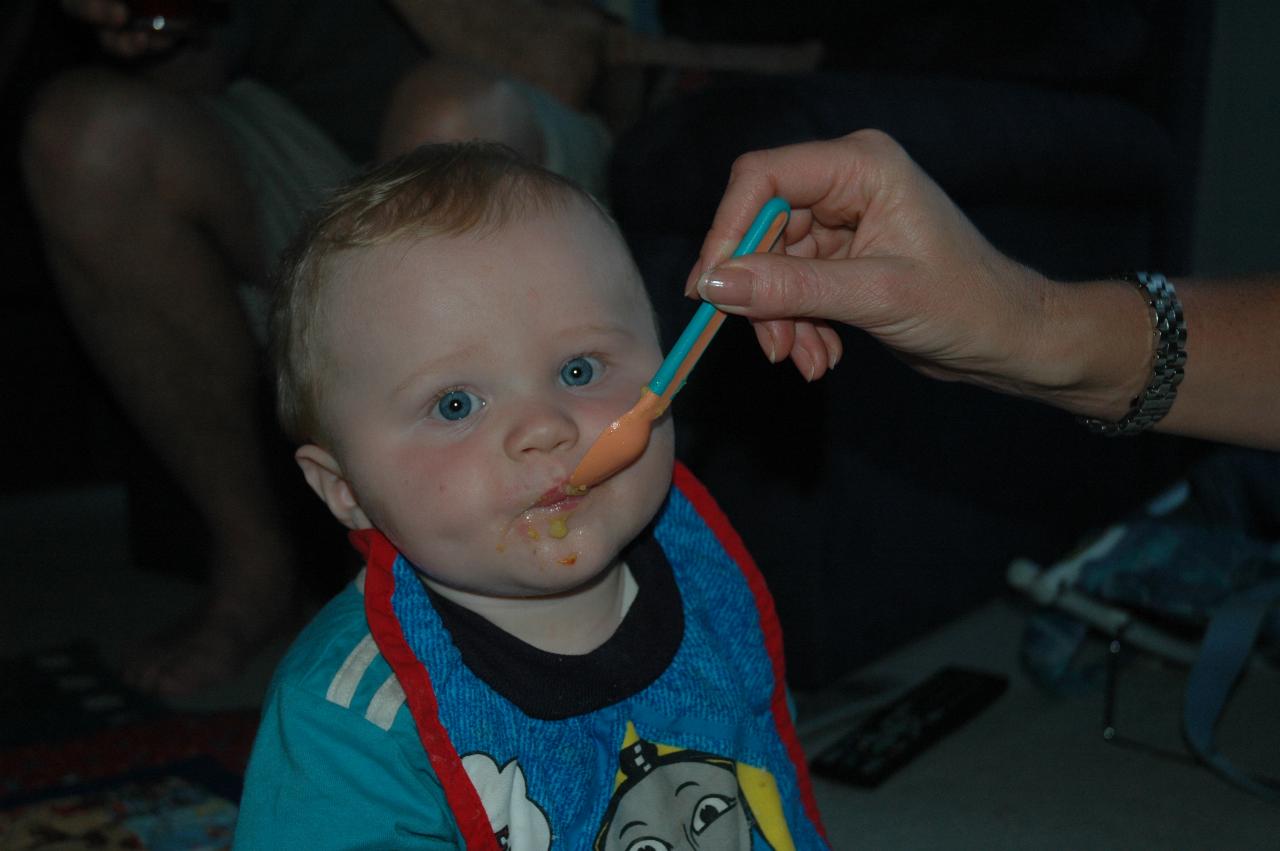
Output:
x=662 y=442
x=459 y=477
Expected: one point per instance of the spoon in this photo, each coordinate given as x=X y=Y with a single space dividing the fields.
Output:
x=625 y=439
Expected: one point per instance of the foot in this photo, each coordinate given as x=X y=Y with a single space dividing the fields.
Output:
x=213 y=646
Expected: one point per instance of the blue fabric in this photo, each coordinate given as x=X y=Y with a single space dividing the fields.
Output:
x=1228 y=644
x=1050 y=642
x=1177 y=570
x=1188 y=551
x=1202 y=554
x=714 y=698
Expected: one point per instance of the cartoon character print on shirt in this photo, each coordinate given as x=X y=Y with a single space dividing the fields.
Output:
x=667 y=798
x=517 y=822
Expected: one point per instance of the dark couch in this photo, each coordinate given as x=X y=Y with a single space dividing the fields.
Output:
x=878 y=503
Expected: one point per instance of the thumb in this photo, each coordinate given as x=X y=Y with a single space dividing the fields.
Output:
x=774 y=286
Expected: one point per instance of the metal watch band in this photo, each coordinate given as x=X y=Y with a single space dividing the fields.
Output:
x=1166 y=371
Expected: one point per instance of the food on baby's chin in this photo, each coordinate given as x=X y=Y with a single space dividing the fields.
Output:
x=557 y=528
x=532 y=533
x=569 y=559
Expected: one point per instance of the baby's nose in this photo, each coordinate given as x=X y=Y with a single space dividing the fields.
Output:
x=541 y=427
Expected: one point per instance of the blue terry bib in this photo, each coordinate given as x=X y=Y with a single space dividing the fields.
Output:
x=706 y=749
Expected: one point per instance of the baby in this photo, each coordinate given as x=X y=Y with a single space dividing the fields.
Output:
x=517 y=666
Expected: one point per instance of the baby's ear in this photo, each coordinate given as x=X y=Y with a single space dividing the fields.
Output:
x=324 y=474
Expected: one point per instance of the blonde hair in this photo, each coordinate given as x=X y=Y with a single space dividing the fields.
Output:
x=435 y=190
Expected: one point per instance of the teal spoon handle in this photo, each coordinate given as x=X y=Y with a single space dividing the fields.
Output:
x=764 y=221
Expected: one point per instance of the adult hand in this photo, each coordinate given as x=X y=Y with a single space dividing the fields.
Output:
x=111 y=20
x=874 y=243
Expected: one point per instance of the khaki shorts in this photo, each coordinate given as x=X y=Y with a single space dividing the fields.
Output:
x=292 y=165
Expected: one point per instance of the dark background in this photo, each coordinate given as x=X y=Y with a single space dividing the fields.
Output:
x=61 y=430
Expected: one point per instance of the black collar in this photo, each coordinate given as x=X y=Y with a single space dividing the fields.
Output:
x=552 y=686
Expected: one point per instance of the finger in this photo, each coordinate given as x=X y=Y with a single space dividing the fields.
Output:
x=766 y=286
x=101 y=13
x=131 y=44
x=835 y=178
x=800 y=173
x=764 y=336
x=118 y=43
x=809 y=353
x=832 y=342
x=795 y=239
x=775 y=337
x=748 y=190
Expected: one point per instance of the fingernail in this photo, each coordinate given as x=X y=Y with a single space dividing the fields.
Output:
x=803 y=363
x=726 y=286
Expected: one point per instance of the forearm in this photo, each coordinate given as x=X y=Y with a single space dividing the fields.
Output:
x=1231 y=391
x=1231 y=387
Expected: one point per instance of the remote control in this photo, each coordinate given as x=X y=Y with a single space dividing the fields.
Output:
x=895 y=734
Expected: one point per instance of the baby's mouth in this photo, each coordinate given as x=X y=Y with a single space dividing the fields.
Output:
x=558 y=497
x=549 y=514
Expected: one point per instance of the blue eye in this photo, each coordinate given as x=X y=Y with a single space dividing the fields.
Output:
x=456 y=405
x=578 y=371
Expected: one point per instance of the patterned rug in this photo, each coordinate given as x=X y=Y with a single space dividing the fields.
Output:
x=87 y=763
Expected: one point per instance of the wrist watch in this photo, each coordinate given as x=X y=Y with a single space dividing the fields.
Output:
x=1167 y=367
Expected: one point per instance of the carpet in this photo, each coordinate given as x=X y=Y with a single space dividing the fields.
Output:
x=86 y=762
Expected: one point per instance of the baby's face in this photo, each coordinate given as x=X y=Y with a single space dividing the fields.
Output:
x=469 y=375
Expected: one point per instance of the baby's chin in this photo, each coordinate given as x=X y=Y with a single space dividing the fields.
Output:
x=563 y=580
x=567 y=569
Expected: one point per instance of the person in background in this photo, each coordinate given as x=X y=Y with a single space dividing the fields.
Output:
x=167 y=180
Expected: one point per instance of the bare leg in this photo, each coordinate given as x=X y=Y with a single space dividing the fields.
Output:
x=148 y=227
x=445 y=101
